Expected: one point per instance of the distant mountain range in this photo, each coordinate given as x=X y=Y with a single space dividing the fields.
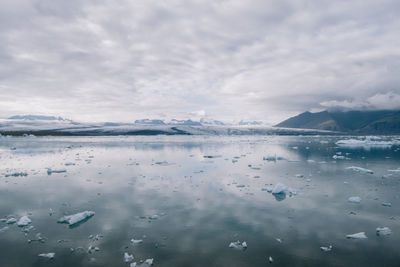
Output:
x=356 y=122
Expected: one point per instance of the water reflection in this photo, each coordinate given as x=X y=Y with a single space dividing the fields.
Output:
x=202 y=204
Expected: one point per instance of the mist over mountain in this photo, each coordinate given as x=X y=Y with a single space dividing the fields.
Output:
x=355 y=121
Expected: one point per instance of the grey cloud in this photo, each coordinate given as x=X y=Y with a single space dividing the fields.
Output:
x=261 y=60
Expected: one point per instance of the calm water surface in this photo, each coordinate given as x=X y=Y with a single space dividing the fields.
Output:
x=206 y=193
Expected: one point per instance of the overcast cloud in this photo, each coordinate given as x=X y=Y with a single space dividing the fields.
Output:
x=228 y=60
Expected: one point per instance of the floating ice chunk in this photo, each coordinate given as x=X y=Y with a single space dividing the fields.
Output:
x=127 y=257
x=386 y=204
x=5 y=228
x=359 y=169
x=240 y=185
x=15 y=174
x=360 y=235
x=282 y=189
x=270 y=259
x=11 y=221
x=146 y=263
x=76 y=218
x=49 y=255
x=154 y=217
x=136 y=241
x=299 y=175
x=23 y=221
x=50 y=171
x=383 y=231
x=338 y=157
x=238 y=245
x=326 y=249
x=279 y=189
x=69 y=164
x=354 y=200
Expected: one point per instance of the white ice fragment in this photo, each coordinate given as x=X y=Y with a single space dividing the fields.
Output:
x=11 y=221
x=360 y=235
x=136 y=241
x=49 y=255
x=386 y=204
x=359 y=169
x=238 y=245
x=326 y=249
x=279 y=188
x=154 y=217
x=146 y=263
x=299 y=175
x=270 y=259
x=23 y=221
x=5 y=228
x=127 y=257
x=76 y=218
x=240 y=185
x=383 y=231
x=50 y=171
x=354 y=200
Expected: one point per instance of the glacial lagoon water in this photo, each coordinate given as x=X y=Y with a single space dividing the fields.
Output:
x=189 y=197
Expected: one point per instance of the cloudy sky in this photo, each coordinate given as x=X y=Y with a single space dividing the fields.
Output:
x=222 y=59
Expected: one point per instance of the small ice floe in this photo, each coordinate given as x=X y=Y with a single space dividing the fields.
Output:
x=359 y=169
x=270 y=259
x=146 y=263
x=279 y=240
x=338 y=157
x=386 y=204
x=76 y=218
x=127 y=257
x=238 y=245
x=69 y=164
x=92 y=249
x=16 y=174
x=326 y=249
x=299 y=175
x=383 y=231
x=241 y=185
x=395 y=170
x=5 y=228
x=154 y=217
x=50 y=171
x=267 y=188
x=356 y=200
x=283 y=189
x=49 y=255
x=11 y=220
x=360 y=235
x=136 y=241
x=38 y=238
x=23 y=221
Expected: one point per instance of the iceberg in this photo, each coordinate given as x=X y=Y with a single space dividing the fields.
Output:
x=76 y=218
x=49 y=255
x=359 y=169
x=146 y=263
x=136 y=241
x=383 y=231
x=23 y=221
x=354 y=200
x=127 y=257
x=11 y=221
x=326 y=249
x=360 y=235
x=238 y=245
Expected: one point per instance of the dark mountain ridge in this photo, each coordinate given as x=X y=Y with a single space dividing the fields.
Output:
x=362 y=122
